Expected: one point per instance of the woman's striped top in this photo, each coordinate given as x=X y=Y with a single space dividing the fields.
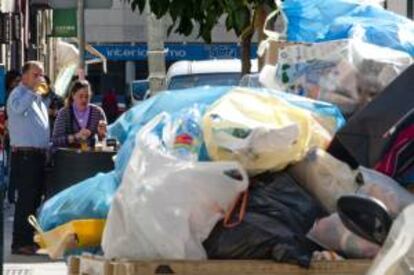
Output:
x=66 y=124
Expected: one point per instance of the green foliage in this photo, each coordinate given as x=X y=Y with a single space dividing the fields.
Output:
x=186 y=14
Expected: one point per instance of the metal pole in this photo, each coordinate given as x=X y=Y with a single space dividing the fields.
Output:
x=410 y=9
x=39 y=32
x=156 y=52
x=49 y=48
x=81 y=38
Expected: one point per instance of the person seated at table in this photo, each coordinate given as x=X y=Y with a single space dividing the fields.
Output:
x=78 y=121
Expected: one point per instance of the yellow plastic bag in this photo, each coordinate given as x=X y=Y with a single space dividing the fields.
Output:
x=74 y=234
x=260 y=131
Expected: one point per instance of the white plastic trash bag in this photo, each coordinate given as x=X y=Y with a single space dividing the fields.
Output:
x=166 y=207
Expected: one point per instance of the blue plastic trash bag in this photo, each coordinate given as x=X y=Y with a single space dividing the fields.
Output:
x=324 y=20
x=171 y=102
x=89 y=199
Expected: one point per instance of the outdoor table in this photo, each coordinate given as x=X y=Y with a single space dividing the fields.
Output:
x=72 y=166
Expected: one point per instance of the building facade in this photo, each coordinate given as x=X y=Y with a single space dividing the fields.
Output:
x=121 y=34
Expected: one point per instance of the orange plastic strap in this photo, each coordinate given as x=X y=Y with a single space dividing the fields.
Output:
x=227 y=223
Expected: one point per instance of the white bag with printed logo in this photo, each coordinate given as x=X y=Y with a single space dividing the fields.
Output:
x=347 y=72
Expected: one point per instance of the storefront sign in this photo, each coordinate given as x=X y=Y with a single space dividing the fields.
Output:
x=190 y=51
x=64 y=23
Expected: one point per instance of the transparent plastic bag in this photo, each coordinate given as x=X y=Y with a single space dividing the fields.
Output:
x=396 y=255
x=262 y=132
x=325 y=177
x=345 y=72
x=331 y=234
x=385 y=189
x=165 y=207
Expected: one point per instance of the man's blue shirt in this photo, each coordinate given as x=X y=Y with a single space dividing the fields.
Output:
x=28 y=120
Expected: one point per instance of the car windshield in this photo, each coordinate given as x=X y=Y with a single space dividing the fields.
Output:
x=214 y=79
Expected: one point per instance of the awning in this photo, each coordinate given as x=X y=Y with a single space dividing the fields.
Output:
x=67 y=58
x=67 y=53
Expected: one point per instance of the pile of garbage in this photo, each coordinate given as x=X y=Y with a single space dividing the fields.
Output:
x=264 y=173
x=187 y=158
x=343 y=52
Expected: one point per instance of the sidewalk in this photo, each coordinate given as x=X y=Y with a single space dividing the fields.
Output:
x=35 y=269
x=26 y=265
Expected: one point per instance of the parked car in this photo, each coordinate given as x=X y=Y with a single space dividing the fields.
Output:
x=187 y=74
x=218 y=72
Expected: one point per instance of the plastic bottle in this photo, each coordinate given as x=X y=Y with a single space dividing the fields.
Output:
x=98 y=144
x=188 y=136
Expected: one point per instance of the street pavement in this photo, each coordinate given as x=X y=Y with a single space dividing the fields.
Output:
x=25 y=265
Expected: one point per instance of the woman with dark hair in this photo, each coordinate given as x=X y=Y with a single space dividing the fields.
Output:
x=78 y=121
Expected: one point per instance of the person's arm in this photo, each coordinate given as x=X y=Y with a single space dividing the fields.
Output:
x=20 y=101
x=60 y=138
